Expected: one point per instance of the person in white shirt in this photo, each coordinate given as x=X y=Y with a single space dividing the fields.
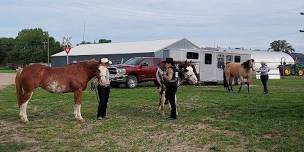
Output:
x=264 y=69
x=103 y=88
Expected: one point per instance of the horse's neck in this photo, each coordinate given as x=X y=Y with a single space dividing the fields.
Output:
x=91 y=69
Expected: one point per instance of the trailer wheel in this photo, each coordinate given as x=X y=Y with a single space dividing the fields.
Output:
x=301 y=72
x=287 y=71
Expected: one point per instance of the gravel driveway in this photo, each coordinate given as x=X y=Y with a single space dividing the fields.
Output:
x=6 y=79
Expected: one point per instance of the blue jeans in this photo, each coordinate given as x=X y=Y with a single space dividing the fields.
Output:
x=264 y=79
x=103 y=93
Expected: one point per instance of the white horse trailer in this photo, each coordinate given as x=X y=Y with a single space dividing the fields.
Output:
x=212 y=64
x=208 y=63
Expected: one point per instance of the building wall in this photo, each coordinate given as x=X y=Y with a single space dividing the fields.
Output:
x=177 y=50
x=182 y=45
x=59 y=61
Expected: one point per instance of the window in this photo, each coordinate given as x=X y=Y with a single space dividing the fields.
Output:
x=237 y=59
x=192 y=55
x=133 y=61
x=146 y=62
x=220 y=61
x=228 y=59
x=208 y=58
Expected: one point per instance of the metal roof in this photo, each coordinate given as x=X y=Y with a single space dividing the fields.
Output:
x=119 y=48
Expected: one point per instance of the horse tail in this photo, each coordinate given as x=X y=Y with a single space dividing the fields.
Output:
x=19 y=91
x=225 y=80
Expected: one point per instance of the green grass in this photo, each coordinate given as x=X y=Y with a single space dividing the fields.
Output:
x=6 y=70
x=210 y=119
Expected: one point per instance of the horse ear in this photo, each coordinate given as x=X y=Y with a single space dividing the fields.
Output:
x=185 y=61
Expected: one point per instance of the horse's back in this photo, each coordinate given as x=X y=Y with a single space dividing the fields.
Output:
x=232 y=69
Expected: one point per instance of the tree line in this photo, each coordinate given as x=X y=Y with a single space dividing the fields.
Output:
x=29 y=46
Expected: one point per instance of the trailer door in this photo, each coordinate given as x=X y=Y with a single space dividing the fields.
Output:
x=220 y=66
x=207 y=67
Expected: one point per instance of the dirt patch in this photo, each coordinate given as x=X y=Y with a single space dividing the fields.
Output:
x=13 y=133
x=6 y=79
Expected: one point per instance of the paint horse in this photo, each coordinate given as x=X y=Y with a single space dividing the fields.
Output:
x=237 y=70
x=186 y=73
x=70 y=78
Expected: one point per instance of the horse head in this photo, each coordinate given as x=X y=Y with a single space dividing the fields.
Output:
x=249 y=64
x=188 y=72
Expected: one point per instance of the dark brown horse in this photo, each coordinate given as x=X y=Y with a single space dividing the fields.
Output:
x=237 y=70
x=70 y=78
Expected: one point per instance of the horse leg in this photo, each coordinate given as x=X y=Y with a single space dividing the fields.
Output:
x=230 y=84
x=25 y=98
x=241 y=79
x=162 y=100
x=248 y=85
x=77 y=106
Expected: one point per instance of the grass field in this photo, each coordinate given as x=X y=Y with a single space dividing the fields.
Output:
x=210 y=119
x=6 y=70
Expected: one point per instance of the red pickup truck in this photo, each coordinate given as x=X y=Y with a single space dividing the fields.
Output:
x=134 y=71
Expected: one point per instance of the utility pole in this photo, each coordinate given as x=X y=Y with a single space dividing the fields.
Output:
x=301 y=13
x=48 y=47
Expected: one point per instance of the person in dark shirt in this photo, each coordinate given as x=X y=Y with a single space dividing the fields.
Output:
x=171 y=85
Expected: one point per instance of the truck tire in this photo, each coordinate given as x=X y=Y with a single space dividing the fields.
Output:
x=287 y=71
x=132 y=81
x=301 y=72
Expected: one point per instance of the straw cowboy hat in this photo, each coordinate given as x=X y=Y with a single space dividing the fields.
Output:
x=105 y=61
x=263 y=62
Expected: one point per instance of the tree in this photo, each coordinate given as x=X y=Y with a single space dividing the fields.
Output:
x=104 y=41
x=7 y=45
x=282 y=46
x=30 y=47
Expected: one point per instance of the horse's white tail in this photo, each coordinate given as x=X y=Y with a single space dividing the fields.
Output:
x=19 y=91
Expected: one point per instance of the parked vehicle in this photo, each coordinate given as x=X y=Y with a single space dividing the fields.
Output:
x=134 y=71
x=291 y=69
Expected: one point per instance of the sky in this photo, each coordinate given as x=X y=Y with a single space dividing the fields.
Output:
x=251 y=24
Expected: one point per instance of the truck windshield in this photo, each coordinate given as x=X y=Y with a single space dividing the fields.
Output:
x=133 y=61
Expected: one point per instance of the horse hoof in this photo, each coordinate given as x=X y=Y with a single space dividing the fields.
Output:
x=24 y=120
x=80 y=119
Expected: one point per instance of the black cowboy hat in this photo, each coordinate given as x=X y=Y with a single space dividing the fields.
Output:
x=169 y=60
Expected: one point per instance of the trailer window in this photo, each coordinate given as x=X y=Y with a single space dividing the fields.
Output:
x=208 y=58
x=192 y=55
x=228 y=59
x=220 y=61
x=237 y=59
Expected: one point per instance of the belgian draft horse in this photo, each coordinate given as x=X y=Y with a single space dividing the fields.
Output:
x=186 y=73
x=70 y=78
x=237 y=70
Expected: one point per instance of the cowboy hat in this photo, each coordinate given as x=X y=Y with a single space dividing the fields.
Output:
x=263 y=62
x=105 y=61
x=169 y=60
